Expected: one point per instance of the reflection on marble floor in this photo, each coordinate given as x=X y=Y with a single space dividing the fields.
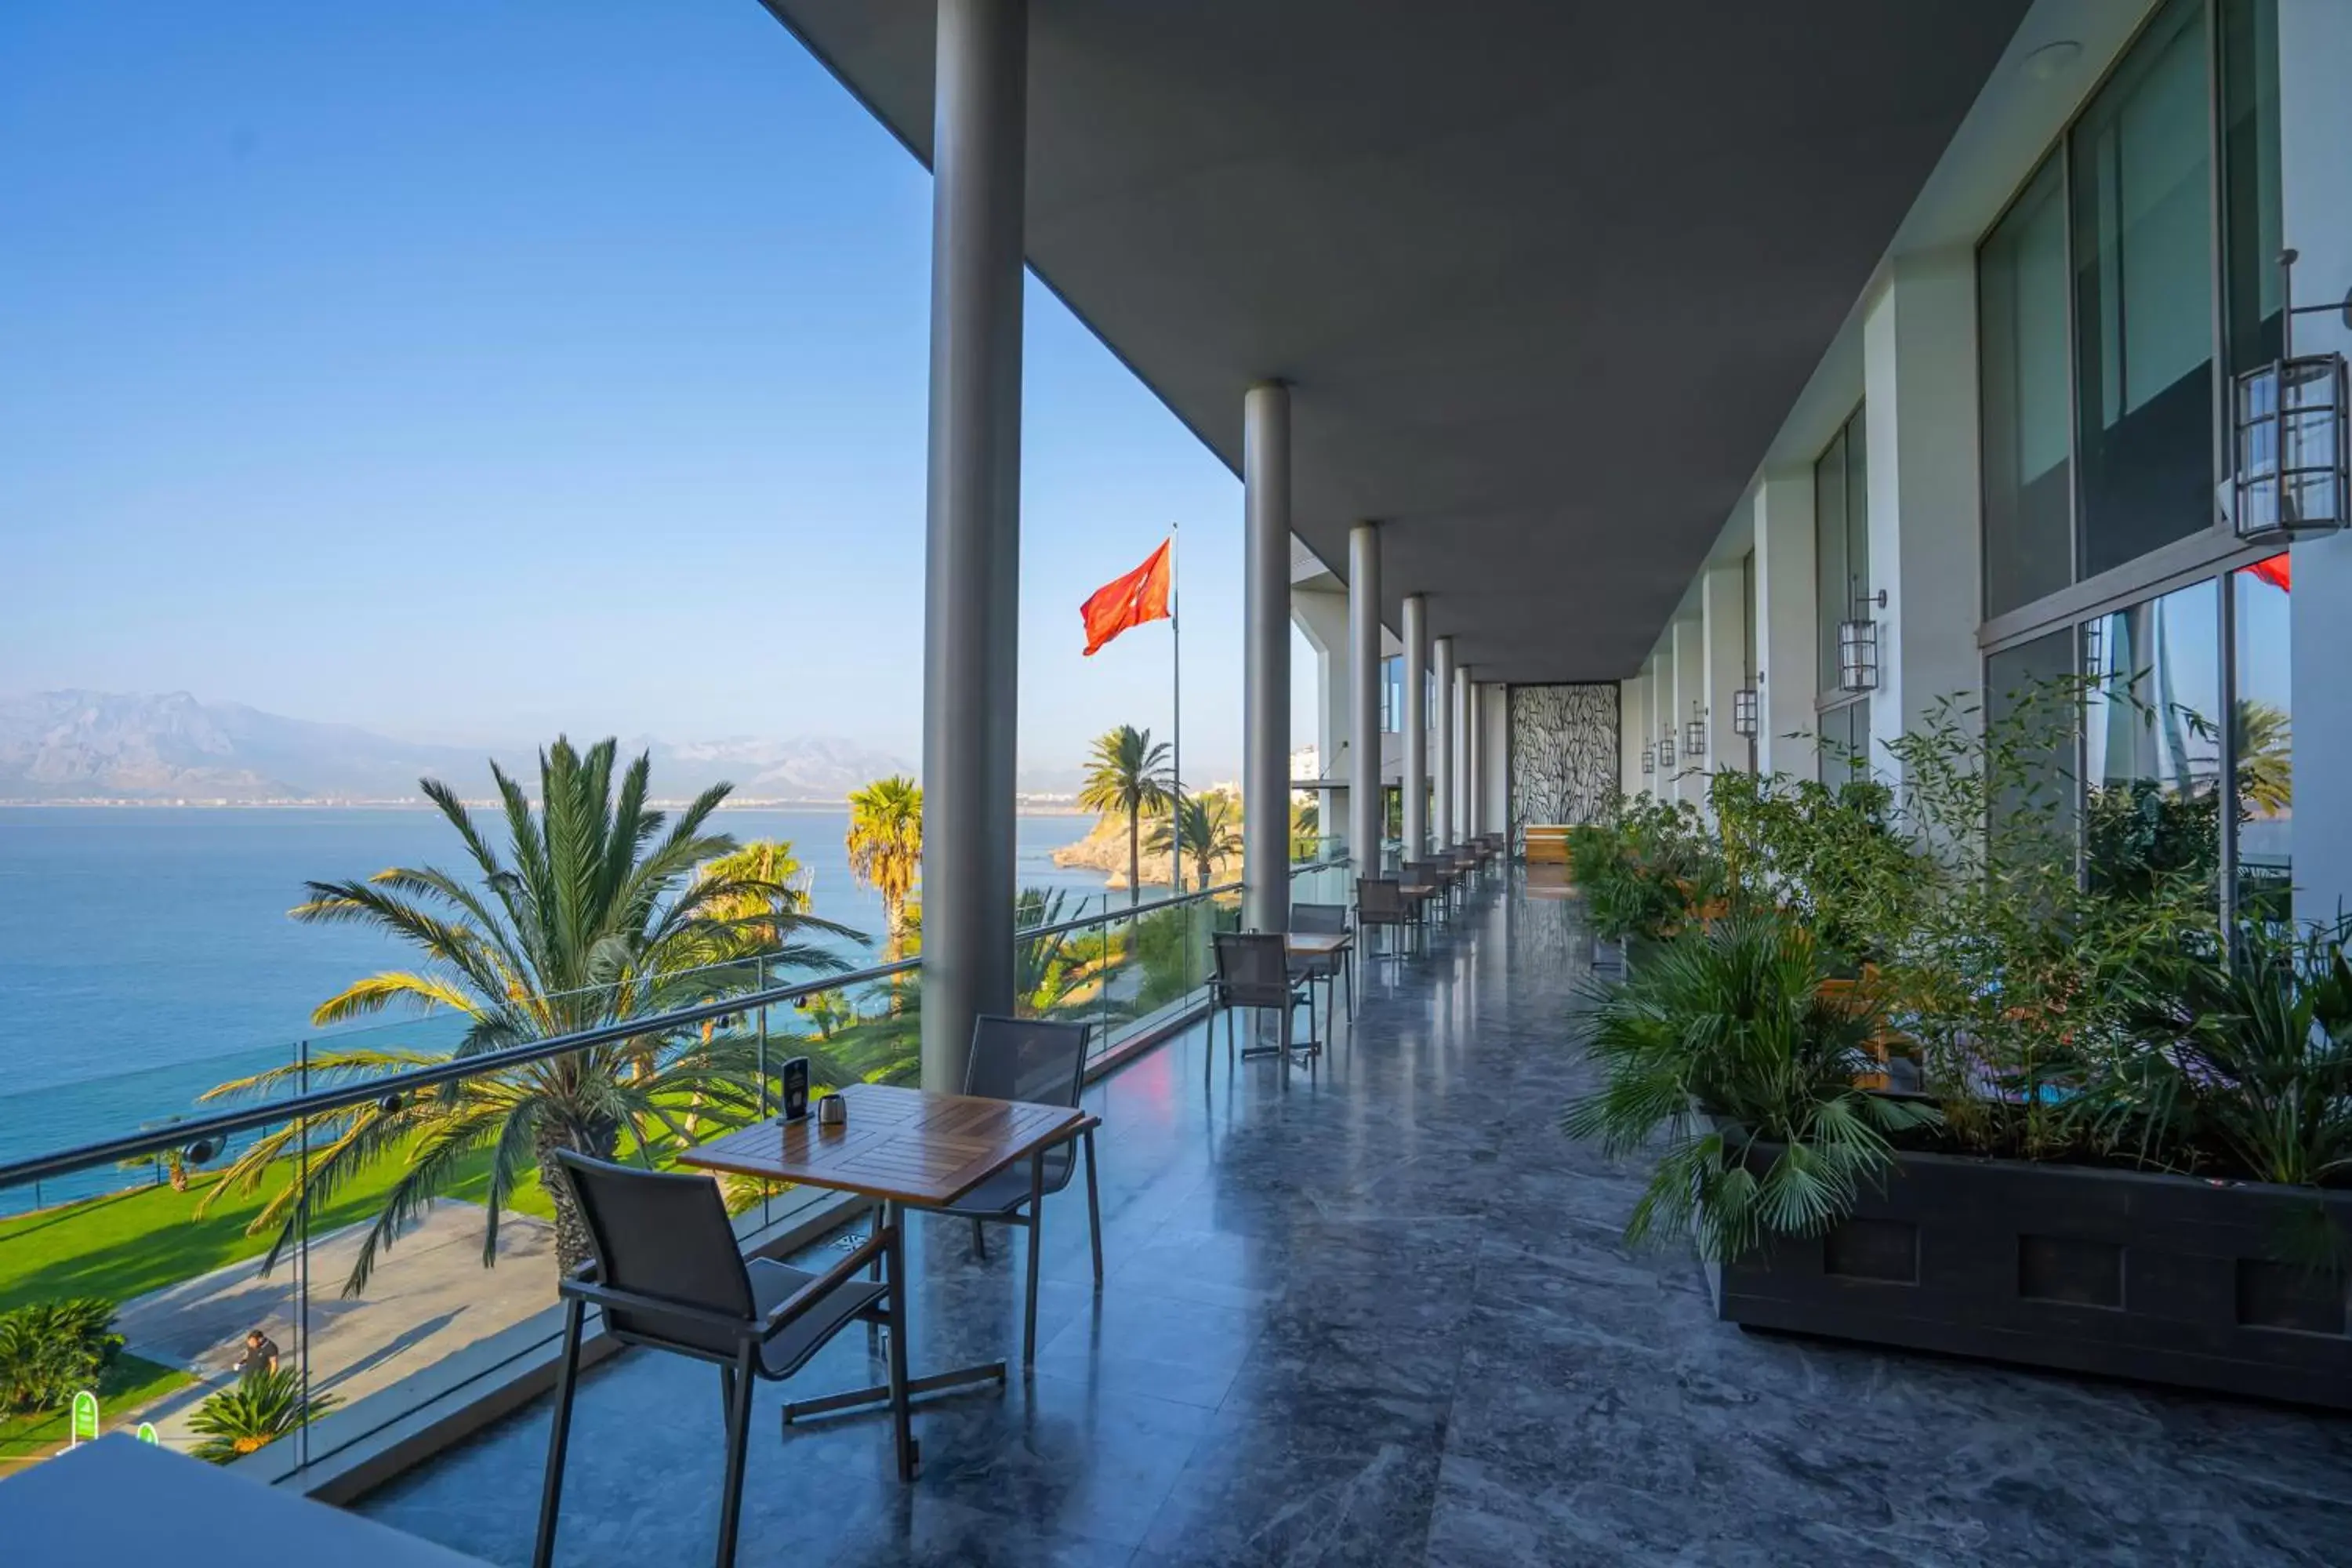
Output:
x=1384 y=1319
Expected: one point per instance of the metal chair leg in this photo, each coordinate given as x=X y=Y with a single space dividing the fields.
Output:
x=738 y=1440
x=567 y=1381
x=1094 y=1210
x=1036 y=1244
x=978 y=1241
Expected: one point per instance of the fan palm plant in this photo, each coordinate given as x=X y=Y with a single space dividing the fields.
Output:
x=253 y=1414
x=1739 y=1022
x=601 y=909
x=1212 y=832
x=885 y=847
x=1128 y=774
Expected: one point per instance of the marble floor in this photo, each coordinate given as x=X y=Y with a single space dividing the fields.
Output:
x=1384 y=1316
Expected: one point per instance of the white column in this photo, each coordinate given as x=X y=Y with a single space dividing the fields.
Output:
x=1690 y=693
x=1723 y=611
x=1466 y=750
x=1473 y=758
x=1265 y=658
x=1497 y=741
x=1416 y=727
x=1633 y=722
x=971 y=585
x=1441 y=762
x=1787 y=656
x=2315 y=40
x=1920 y=388
x=1365 y=826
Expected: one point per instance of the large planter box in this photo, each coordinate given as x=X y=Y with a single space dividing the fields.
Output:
x=2167 y=1280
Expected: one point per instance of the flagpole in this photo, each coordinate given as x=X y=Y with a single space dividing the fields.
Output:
x=1175 y=727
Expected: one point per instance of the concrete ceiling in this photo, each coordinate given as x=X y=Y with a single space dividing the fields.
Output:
x=1545 y=275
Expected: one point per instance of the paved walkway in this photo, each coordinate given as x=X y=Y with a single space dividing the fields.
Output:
x=1384 y=1319
x=428 y=1298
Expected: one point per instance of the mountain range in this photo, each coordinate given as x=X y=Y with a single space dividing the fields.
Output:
x=110 y=746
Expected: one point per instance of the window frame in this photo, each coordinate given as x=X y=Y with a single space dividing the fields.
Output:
x=2211 y=555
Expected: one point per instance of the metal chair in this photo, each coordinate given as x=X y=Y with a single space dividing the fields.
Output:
x=1424 y=874
x=667 y=1275
x=1043 y=1062
x=1325 y=919
x=1381 y=905
x=1254 y=972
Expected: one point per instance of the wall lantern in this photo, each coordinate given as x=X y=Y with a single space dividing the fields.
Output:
x=2287 y=434
x=1695 y=733
x=1743 y=712
x=1666 y=749
x=1649 y=759
x=1858 y=644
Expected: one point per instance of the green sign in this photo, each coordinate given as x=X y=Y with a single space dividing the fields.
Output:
x=85 y=1418
x=147 y=1432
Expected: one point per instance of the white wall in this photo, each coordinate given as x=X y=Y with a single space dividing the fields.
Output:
x=1919 y=387
x=1633 y=722
x=1690 y=687
x=1786 y=655
x=2315 y=183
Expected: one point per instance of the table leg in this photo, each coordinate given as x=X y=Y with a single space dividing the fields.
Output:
x=1036 y=1244
x=895 y=1215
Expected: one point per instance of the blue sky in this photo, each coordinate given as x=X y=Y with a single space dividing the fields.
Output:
x=471 y=369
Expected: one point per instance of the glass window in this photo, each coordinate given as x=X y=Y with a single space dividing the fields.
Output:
x=1845 y=742
x=2029 y=696
x=2250 y=181
x=2265 y=740
x=1840 y=540
x=2141 y=169
x=2151 y=738
x=2029 y=529
x=1392 y=695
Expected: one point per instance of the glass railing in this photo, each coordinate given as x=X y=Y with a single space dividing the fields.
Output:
x=337 y=1199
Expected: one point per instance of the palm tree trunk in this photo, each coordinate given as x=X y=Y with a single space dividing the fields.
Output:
x=1134 y=858
x=598 y=1143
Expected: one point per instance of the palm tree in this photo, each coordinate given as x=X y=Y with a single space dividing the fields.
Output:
x=601 y=909
x=1212 y=832
x=254 y=1412
x=1306 y=830
x=2265 y=776
x=1128 y=772
x=773 y=901
x=885 y=847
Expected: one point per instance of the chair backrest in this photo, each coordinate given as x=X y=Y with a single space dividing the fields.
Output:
x=662 y=1234
x=1253 y=968
x=1422 y=873
x=1378 y=898
x=1320 y=920
x=1040 y=1060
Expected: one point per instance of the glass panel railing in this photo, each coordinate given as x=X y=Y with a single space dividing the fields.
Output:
x=270 y=1296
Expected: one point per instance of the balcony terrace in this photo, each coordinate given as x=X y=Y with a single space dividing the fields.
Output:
x=1384 y=1316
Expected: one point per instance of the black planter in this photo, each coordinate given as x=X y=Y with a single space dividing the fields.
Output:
x=2167 y=1280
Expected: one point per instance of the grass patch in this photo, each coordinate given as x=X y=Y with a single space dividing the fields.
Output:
x=125 y=1245
x=124 y=1390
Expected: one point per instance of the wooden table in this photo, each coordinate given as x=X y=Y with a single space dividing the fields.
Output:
x=902 y=1147
x=121 y=1500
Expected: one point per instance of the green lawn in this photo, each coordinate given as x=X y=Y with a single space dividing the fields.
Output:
x=127 y=1244
x=126 y=1388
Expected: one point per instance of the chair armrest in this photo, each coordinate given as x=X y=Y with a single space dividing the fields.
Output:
x=826 y=1283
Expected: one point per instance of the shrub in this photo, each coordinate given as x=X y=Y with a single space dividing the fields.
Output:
x=1745 y=1023
x=254 y=1413
x=49 y=1350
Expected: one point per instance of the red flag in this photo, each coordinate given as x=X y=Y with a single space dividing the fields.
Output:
x=2274 y=571
x=1141 y=595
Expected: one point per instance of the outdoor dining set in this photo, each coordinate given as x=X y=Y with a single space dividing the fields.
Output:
x=669 y=1272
